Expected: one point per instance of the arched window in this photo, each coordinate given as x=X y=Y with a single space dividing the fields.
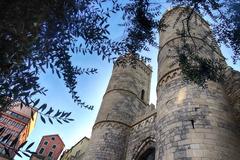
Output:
x=142 y=95
x=149 y=154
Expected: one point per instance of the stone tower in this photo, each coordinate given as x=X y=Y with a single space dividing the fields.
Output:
x=188 y=123
x=126 y=96
x=192 y=123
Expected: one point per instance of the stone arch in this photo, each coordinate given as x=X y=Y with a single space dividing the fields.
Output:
x=149 y=154
x=146 y=148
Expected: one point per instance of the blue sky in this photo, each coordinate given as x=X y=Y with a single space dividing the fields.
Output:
x=91 y=89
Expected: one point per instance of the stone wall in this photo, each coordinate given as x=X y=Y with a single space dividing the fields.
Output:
x=122 y=100
x=192 y=123
x=142 y=136
x=127 y=96
x=108 y=141
x=195 y=123
x=232 y=89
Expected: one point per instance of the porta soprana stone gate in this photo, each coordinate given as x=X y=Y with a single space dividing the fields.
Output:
x=188 y=123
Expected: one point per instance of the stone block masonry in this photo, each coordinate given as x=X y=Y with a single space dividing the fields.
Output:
x=192 y=123
x=188 y=123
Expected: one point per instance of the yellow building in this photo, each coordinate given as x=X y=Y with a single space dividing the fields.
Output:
x=77 y=151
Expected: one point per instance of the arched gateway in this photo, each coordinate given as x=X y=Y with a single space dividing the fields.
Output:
x=146 y=151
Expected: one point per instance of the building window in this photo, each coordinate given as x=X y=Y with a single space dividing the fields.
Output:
x=142 y=95
x=46 y=142
x=41 y=151
x=54 y=146
x=50 y=154
x=53 y=138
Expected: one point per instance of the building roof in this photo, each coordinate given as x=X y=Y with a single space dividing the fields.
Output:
x=80 y=141
x=131 y=57
x=54 y=135
x=67 y=150
x=24 y=110
x=37 y=156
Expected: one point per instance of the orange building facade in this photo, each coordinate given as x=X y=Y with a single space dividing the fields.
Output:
x=50 y=147
x=17 y=123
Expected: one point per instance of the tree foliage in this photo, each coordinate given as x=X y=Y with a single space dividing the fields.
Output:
x=36 y=36
x=226 y=29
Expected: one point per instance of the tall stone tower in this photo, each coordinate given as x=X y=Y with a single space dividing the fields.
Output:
x=192 y=123
x=127 y=95
x=188 y=123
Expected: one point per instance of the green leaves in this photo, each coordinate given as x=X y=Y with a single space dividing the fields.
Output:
x=49 y=111
x=30 y=145
x=51 y=30
x=50 y=120
x=43 y=107
x=140 y=25
x=36 y=103
x=27 y=152
x=198 y=69
x=43 y=119
x=225 y=16
x=22 y=145
x=43 y=43
x=59 y=116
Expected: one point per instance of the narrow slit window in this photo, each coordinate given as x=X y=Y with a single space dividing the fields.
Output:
x=142 y=95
